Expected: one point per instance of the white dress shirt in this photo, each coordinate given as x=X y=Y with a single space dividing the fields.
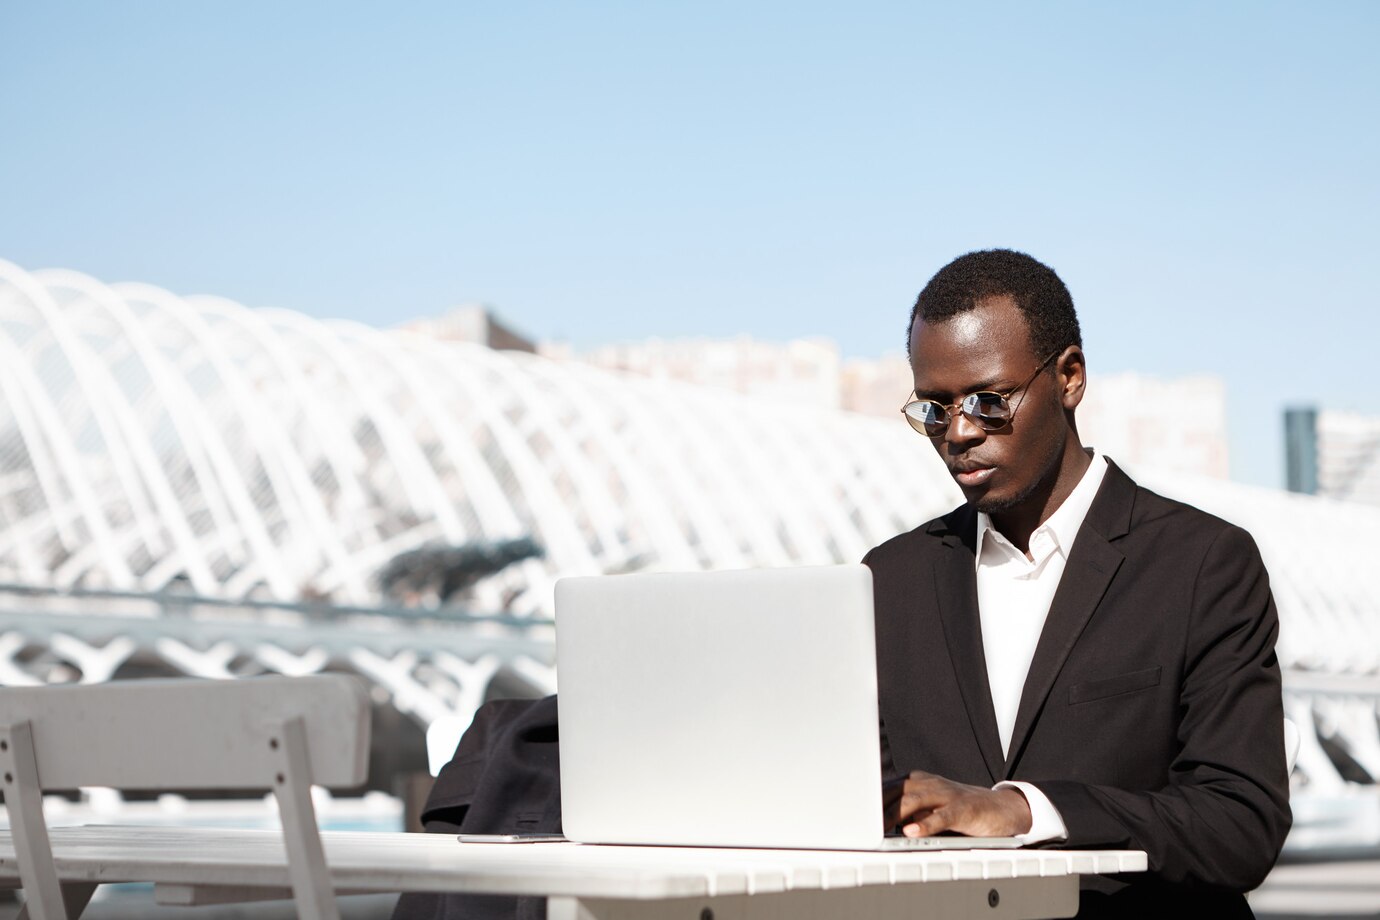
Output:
x=1014 y=594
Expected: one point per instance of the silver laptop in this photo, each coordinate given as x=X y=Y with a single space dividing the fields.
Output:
x=732 y=709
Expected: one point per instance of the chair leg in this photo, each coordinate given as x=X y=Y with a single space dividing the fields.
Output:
x=311 y=882
x=24 y=799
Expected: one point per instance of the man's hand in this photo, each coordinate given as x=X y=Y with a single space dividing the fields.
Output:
x=927 y=804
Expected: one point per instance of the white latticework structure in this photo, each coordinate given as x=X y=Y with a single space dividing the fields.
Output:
x=147 y=438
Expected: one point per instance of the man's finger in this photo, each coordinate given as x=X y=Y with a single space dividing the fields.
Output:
x=941 y=819
x=936 y=821
x=922 y=799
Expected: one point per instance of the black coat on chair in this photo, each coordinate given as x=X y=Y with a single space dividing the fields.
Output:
x=503 y=779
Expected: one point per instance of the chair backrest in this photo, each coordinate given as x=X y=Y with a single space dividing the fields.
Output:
x=278 y=733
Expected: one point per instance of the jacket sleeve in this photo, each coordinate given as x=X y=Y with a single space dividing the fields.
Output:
x=1222 y=816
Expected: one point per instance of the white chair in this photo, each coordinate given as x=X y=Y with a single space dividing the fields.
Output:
x=278 y=733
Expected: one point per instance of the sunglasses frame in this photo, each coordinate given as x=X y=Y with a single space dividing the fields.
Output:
x=948 y=411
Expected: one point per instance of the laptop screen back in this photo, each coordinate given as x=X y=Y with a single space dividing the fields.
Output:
x=720 y=708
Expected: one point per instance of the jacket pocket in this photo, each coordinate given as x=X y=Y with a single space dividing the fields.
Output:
x=1091 y=690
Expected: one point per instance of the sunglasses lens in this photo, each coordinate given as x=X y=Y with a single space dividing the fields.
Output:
x=988 y=411
x=927 y=417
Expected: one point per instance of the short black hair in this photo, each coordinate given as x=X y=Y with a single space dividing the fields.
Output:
x=976 y=276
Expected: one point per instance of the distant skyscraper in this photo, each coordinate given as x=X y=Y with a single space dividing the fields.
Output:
x=1301 y=449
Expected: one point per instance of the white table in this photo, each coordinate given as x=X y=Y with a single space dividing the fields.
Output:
x=202 y=866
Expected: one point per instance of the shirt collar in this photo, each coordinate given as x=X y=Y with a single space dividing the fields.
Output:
x=1063 y=525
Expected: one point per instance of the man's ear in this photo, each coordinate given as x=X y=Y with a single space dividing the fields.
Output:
x=1072 y=373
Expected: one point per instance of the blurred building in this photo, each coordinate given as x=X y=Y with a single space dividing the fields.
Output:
x=804 y=372
x=1135 y=419
x=1333 y=454
x=1177 y=425
x=473 y=323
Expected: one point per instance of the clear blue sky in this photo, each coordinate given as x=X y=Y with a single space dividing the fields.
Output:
x=1206 y=177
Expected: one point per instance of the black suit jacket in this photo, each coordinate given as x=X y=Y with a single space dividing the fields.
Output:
x=1151 y=715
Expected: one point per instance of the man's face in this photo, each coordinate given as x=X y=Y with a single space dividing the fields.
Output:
x=988 y=348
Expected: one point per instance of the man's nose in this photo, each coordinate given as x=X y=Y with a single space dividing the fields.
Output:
x=963 y=430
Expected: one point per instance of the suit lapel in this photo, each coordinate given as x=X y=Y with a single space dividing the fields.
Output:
x=1091 y=566
x=955 y=583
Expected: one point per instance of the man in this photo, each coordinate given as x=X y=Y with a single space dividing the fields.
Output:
x=1068 y=656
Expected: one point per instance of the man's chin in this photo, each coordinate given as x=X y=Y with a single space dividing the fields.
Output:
x=990 y=503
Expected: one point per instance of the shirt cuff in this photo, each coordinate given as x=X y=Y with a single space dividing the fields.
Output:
x=1045 y=822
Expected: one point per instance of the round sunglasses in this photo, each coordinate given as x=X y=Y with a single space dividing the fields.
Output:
x=987 y=410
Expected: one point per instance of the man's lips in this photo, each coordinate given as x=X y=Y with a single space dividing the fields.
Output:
x=972 y=475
